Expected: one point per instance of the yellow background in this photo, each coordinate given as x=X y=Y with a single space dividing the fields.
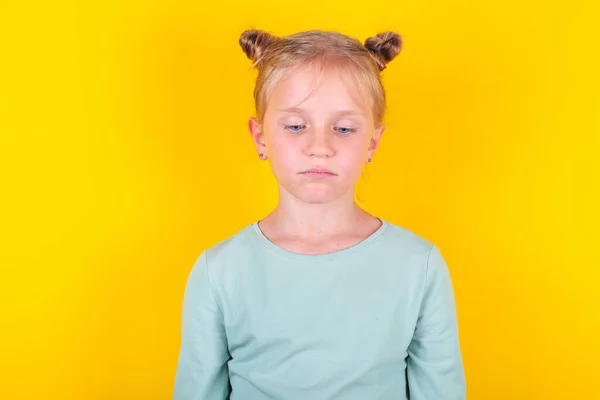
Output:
x=124 y=153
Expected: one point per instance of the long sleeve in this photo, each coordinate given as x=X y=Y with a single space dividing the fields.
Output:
x=434 y=365
x=202 y=366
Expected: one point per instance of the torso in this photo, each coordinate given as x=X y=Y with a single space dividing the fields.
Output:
x=332 y=326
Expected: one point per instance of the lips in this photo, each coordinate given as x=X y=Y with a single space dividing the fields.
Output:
x=318 y=173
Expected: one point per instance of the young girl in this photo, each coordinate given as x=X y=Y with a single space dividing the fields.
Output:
x=319 y=300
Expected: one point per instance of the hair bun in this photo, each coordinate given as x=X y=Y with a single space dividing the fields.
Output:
x=384 y=47
x=254 y=43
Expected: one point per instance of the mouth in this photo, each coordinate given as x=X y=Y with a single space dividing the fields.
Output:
x=318 y=173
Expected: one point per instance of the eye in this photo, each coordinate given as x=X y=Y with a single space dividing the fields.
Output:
x=344 y=131
x=294 y=128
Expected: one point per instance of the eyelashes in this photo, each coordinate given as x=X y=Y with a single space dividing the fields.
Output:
x=297 y=128
x=345 y=131
x=294 y=128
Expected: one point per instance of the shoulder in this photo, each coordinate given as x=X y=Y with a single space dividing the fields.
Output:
x=234 y=250
x=242 y=241
x=417 y=253
x=420 y=258
x=406 y=241
x=424 y=253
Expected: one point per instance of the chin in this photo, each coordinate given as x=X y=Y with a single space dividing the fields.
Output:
x=316 y=195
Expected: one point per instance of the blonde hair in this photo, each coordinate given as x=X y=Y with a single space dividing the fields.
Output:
x=274 y=56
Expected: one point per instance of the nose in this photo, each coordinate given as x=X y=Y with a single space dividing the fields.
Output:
x=319 y=144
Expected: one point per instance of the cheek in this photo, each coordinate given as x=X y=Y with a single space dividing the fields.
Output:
x=284 y=152
x=280 y=146
x=354 y=165
x=352 y=159
x=354 y=152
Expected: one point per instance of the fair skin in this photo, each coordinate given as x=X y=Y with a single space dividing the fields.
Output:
x=317 y=122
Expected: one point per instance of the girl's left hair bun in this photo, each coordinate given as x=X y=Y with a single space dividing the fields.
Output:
x=384 y=47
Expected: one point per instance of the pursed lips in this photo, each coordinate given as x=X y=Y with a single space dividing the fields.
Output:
x=318 y=173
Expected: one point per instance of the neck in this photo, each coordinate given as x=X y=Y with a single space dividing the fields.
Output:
x=293 y=217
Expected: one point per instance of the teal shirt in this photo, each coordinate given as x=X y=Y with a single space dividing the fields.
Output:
x=371 y=322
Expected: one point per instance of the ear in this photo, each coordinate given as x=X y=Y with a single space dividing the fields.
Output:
x=375 y=140
x=255 y=128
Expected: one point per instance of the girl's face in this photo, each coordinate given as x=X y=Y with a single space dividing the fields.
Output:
x=316 y=135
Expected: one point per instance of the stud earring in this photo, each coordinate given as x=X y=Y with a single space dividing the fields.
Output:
x=262 y=156
x=369 y=159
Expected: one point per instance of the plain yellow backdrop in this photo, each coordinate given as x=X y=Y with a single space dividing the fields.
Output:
x=124 y=153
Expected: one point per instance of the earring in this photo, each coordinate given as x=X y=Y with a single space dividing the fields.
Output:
x=369 y=159
x=262 y=156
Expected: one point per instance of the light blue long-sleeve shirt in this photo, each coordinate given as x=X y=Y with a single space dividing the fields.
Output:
x=371 y=322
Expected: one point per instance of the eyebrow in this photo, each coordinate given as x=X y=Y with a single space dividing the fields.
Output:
x=340 y=113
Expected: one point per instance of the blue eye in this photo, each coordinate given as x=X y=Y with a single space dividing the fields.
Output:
x=345 y=131
x=294 y=128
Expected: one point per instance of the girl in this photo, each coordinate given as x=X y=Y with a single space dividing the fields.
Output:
x=319 y=300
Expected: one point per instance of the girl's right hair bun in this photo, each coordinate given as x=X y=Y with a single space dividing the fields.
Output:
x=384 y=47
x=254 y=43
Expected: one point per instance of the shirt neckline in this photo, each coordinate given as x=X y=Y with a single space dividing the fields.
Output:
x=319 y=257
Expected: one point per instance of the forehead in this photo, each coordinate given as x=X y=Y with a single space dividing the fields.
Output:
x=320 y=88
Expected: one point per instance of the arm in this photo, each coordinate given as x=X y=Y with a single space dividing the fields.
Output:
x=202 y=367
x=434 y=364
